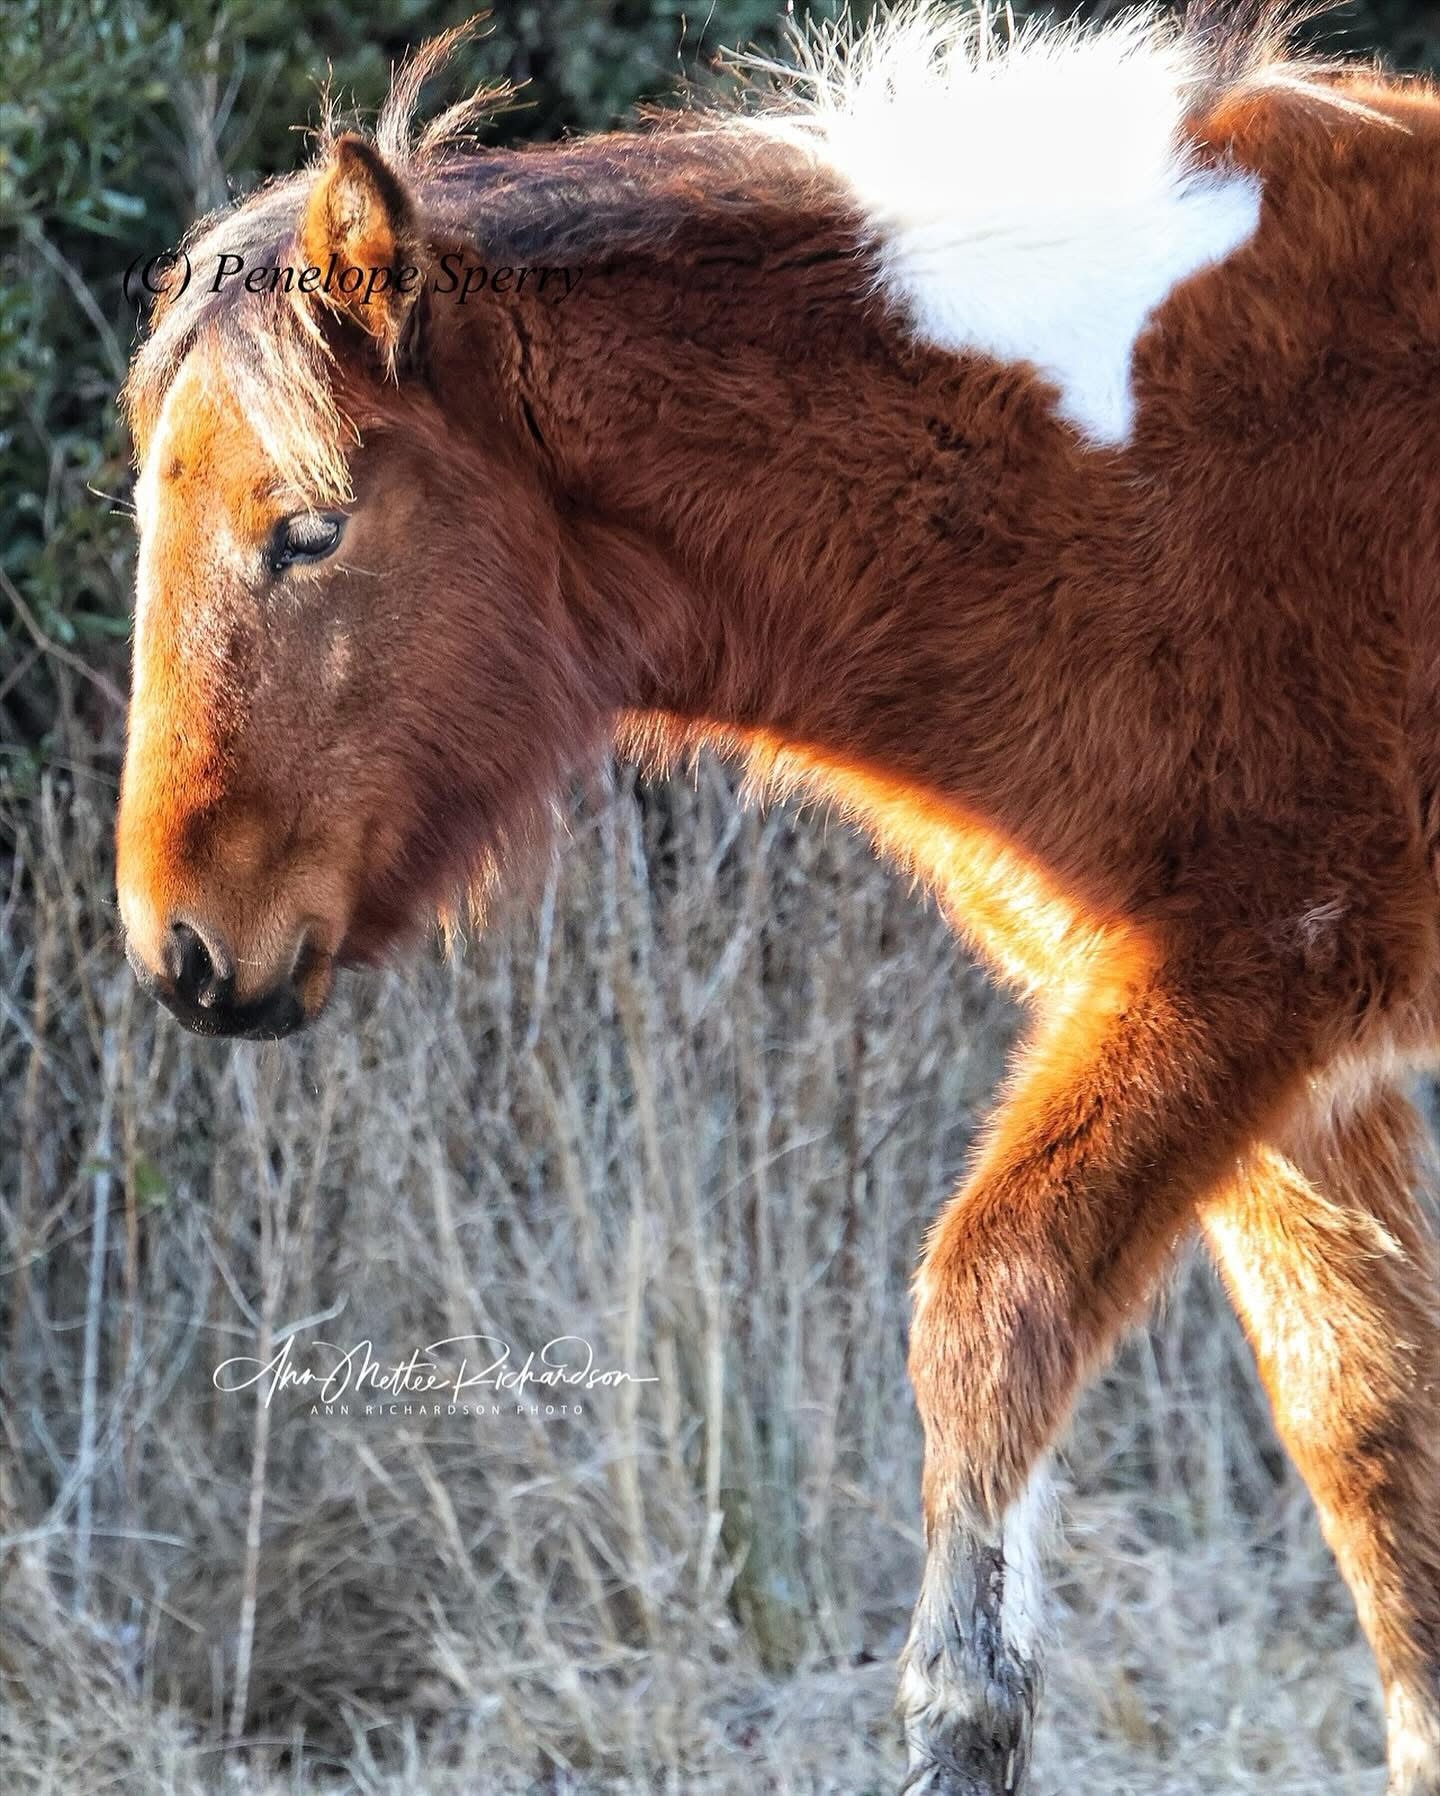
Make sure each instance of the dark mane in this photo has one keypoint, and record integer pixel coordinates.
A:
(574, 202)
(570, 203)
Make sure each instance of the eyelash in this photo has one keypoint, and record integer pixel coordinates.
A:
(283, 552)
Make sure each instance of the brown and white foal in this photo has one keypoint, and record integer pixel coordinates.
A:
(1033, 449)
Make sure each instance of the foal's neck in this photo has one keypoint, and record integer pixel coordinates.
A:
(771, 499)
(785, 519)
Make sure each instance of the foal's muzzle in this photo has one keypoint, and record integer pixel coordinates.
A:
(196, 980)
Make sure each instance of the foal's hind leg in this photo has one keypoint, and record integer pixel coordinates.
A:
(1334, 1271)
(1123, 1115)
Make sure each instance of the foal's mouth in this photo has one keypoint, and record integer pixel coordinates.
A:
(286, 1008)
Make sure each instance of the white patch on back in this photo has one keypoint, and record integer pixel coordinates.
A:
(1032, 199)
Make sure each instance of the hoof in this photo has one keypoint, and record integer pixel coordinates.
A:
(964, 1738)
(967, 1761)
(970, 1672)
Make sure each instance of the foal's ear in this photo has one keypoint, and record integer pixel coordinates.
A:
(359, 231)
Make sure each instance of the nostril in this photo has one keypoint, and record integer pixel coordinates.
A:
(202, 973)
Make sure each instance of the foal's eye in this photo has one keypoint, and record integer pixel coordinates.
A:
(309, 536)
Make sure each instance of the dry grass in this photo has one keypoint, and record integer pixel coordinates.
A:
(694, 1103)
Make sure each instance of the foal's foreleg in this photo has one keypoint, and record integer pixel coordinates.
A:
(1333, 1269)
(1123, 1114)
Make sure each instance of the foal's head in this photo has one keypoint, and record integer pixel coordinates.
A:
(352, 676)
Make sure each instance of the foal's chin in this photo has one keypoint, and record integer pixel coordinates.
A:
(271, 1018)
